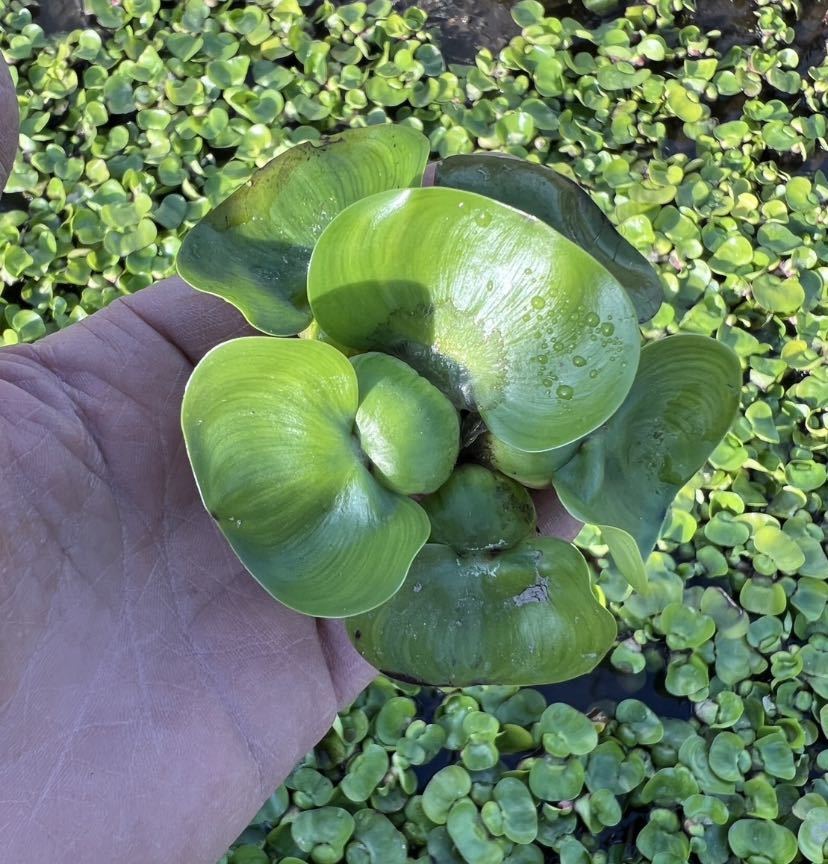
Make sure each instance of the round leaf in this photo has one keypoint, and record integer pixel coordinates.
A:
(469, 835)
(478, 509)
(498, 310)
(762, 840)
(447, 786)
(566, 731)
(406, 426)
(565, 206)
(268, 425)
(323, 832)
(253, 249)
(523, 616)
(626, 474)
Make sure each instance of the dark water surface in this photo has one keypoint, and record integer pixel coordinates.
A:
(61, 16)
(461, 27)
(600, 690)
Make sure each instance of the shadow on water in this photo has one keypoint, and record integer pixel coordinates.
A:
(60, 16)
(600, 690)
(605, 687)
(461, 27)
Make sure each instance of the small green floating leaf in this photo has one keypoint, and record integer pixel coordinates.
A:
(365, 773)
(375, 840)
(447, 786)
(517, 813)
(563, 205)
(523, 616)
(566, 731)
(499, 314)
(760, 841)
(469, 835)
(268, 425)
(253, 249)
(627, 473)
(813, 835)
(554, 779)
(323, 833)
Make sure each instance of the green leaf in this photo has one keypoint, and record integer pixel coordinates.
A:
(565, 731)
(626, 474)
(626, 556)
(564, 206)
(535, 470)
(447, 786)
(518, 817)
(733, 253)
(365, 773)
(406, 427)
(762, 841)
(479, 510)
(669, 786)
(268, 425)
(375, 840)
(469, 835)
(253, 249)
(323, 831)
(813, 835)
(554, 779)
(502, 313)
(454, 624)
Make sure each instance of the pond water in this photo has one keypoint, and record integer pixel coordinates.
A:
(60, 16)
(463, 26)
(600, 690)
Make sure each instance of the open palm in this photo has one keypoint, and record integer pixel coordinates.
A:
(151, 696)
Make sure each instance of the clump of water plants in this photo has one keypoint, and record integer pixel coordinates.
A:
(462, 341)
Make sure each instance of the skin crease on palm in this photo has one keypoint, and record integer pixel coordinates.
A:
(151, 694)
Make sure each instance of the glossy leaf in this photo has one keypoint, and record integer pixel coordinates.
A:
(253, 249)
(268, 425)
(478, 509)
(626, 474)
(405, 425)
(446, 786)
(375, 840)
(565, 206)
(535, 470)
(323, 832)
(523, 616)
(469, 835)
(503, 314)
(566, 731)
(755, 840)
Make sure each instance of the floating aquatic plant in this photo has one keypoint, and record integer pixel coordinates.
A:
(462, 341)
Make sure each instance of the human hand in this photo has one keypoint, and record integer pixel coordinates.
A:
(151, 694)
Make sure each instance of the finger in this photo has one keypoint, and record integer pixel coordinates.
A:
(9, 120)
(192, 321)
(553, 520)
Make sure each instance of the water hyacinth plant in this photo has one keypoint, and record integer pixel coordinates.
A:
(462, 342)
